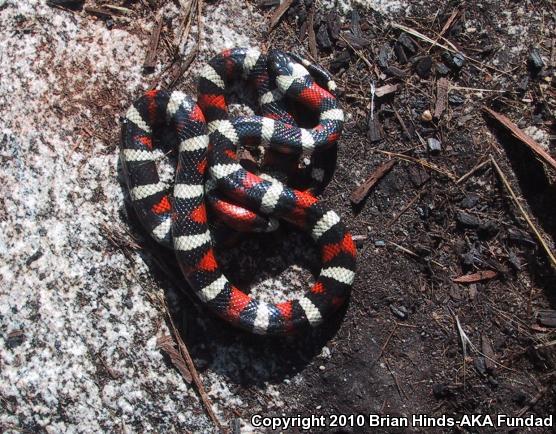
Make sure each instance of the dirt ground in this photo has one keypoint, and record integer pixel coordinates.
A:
(396, 348)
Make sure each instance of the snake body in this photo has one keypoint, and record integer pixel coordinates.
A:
(208, 172)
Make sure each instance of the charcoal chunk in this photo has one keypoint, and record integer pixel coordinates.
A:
(535, 60)
(408, 43)
(334, 25)
(467, 220)
(400, 53)
(340, 61)
(323, 40)
(423, 66)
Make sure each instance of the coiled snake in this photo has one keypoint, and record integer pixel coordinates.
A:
(208, 172)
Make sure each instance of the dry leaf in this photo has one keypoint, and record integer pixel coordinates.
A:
(476, 277)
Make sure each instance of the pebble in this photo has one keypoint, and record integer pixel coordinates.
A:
(441, 391)
(426, 116)
(399, 311)
(434, 145)
(442, 69)
(535, 60)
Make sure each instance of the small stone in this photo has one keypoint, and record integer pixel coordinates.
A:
(334, 25)
(441, 391)
(454, 61)
(434, 145)
(35, 256)
(489, 228)
(520, 237)
(455, 99)
(535, 60)
(395, 72)
(15, 339)
(426, 116)
(442, 69)
(109, 23)
(355, 41)
(523, 84)
(458, 60)
(423, 67)
(480, 365)
(384, 56)
(399, 311)
(514, 261)
(322, 367)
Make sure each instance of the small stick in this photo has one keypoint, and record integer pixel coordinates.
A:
(278, 12)
(415, 255)
(359, 54)
(524, 213)
(360, 192)
(385, 344)
(150, 59)
(398, 386)
(420, 161)
(193, 371)
(406, 207)
(402, 123)
(472, 171)
(311, 32)
(442, 87)
(446, 26)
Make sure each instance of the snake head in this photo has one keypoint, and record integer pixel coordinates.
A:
(285, 69)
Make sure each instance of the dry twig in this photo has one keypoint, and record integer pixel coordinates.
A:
(360, 192)
(150, 58)
(422, 162)
(278, 12)
(311, 32)
(184, 353)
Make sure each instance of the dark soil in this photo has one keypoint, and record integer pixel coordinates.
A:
(396, 348)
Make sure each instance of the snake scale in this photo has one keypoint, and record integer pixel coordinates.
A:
(208, 175)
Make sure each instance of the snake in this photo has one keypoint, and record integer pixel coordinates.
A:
(210, 182)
